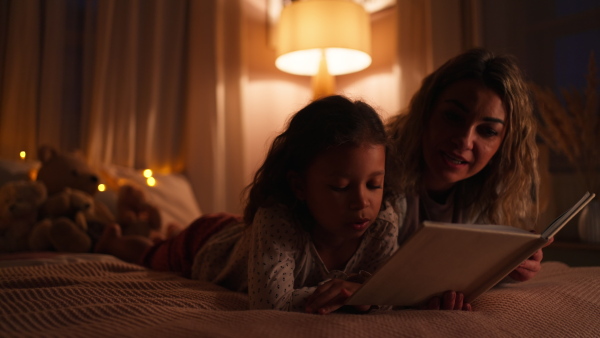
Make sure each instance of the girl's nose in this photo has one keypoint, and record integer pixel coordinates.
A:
(359, 199)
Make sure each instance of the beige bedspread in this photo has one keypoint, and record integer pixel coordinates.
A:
(100, 296)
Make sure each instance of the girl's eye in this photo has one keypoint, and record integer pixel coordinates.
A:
(374, 186)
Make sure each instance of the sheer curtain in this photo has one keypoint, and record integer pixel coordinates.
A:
(134, 72)
(105, 77)
(414, 45)
(158, 83)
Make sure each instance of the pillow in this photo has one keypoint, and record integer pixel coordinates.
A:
(13, 170)
(172, 194)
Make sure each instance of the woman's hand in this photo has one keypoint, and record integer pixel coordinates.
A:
(530, 267)
(331, 296)
(450, 300)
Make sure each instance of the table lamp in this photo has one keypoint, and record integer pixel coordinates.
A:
(323, 38)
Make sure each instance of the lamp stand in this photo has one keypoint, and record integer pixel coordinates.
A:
(323, 83)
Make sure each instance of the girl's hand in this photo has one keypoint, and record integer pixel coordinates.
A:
(450, 300)
(331, 296)
(529, 267)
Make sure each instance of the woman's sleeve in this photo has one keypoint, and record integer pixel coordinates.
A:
(275, 246)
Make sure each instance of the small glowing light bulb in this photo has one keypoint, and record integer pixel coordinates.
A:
(151, 181)
(101, 187)
(22, 154)
(147, 173)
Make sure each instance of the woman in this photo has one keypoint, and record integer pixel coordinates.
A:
(468, 150)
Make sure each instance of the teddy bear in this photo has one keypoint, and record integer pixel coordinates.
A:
(71, 219)
(134, 214)
(60, 171)
(19, 206)
(65, 222)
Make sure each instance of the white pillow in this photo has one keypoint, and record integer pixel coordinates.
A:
(13, 170)
(172, 194)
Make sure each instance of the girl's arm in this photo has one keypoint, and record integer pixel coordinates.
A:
(331, 296)
(276, 246)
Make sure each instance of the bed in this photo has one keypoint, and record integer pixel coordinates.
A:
(93, 295)
(46, 294)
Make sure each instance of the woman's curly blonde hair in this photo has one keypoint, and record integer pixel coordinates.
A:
(505, 191)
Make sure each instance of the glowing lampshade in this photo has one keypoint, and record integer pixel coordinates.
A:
(324, 38)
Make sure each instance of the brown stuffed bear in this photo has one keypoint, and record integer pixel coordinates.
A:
(61, 170)
(135, 215)
(64, 224)
(72, 218)
(19, 206)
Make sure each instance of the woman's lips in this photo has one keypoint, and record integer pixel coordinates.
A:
(454, 159)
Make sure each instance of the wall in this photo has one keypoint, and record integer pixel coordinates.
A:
(252, 99)
(552, 40)
(270, 96)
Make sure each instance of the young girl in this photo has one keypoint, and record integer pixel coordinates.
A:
(313, 227)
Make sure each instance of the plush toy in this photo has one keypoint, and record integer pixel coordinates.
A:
(71, 217)
(61, 170)
(69, 223)
(19, 205)
(134, 214)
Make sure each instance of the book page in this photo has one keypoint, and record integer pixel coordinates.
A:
(467, 258)
(563, 219)
(441, 257)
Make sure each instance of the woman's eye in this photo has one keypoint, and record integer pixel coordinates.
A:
(338, 188)
(451, 116)
(488, 132)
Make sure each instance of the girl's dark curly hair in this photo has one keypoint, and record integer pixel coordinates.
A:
(324, 123)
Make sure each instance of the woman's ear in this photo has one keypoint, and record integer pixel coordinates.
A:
(296, 183)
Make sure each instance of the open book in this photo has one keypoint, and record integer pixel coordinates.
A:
(468, 258)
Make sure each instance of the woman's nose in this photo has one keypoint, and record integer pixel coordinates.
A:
(464, 138)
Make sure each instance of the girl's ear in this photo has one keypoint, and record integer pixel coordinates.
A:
(296, 184)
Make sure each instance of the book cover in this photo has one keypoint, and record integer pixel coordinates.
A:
(469, 258)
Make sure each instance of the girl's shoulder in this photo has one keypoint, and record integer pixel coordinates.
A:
(276, 216)
(391, 217)
(275, 226)
(393, 208)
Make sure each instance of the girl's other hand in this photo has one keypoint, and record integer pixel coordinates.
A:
(331, 296)
(450, 300)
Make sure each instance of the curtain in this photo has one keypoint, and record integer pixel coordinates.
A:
(170, 85)
(216, 71)
(105, 77)
(414, 45)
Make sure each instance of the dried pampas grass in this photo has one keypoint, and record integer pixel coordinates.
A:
(572, 128)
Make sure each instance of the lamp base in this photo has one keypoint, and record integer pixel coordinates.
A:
(323, 83)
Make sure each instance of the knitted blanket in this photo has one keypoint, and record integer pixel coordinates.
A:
(101, 296)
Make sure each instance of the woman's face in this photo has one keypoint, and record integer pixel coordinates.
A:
(466, 129)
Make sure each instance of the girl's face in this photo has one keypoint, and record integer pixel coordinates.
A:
(343, 189)
(466, 129)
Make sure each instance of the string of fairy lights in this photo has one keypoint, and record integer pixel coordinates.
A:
(147, 173)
